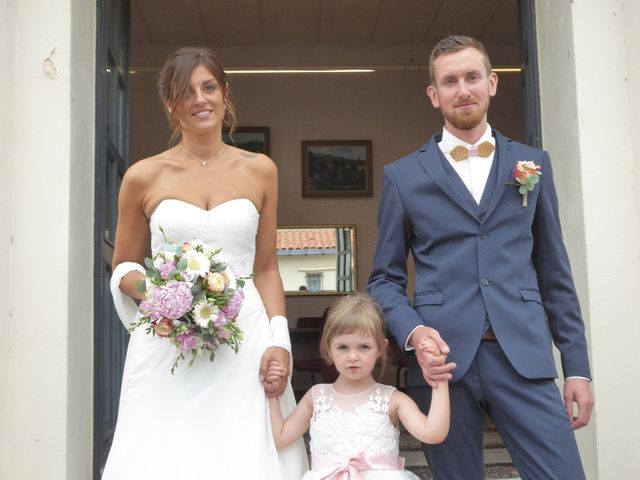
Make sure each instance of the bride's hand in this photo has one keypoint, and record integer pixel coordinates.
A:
(274, 385)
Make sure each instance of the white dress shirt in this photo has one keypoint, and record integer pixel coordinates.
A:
(474, 170)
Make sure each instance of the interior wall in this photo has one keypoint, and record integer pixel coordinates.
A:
(389, 107)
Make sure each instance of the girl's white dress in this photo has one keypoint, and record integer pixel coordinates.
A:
(210, 420)
(352, 436)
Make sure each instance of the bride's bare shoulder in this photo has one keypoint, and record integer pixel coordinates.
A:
(145, 171)
(257, 162)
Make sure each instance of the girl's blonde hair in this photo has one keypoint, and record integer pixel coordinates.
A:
(354, 313)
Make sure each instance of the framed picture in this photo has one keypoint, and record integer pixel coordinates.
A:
(336, 168)
(253, 139)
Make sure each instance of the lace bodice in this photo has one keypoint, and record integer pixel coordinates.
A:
(231, 225)
(349, 424)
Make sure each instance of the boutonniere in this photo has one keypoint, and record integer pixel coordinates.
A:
(526, 174)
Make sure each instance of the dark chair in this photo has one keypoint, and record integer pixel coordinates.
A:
(305, 341)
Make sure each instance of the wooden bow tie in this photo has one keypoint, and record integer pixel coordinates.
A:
(483, 150)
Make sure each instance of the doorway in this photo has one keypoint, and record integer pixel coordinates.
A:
(386, 106)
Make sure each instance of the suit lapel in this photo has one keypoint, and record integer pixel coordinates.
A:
(429, 158)
(506, 162)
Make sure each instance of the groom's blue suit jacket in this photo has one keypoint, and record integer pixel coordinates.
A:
(496, 261)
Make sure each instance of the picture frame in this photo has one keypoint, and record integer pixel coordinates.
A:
(337, 168)
(253, 139)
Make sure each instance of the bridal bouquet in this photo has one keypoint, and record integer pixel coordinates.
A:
(193, 298)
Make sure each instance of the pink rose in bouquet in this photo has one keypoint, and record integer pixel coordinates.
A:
(163, 327)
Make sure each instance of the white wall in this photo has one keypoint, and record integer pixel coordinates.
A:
(293, 270)
(81, 245)
(587, 87)
(6, 34)
(46, 340)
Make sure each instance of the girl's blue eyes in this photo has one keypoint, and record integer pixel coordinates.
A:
(363, 347)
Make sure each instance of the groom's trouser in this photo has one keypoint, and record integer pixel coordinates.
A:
(529, 415)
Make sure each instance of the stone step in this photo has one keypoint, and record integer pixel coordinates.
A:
(498, 463)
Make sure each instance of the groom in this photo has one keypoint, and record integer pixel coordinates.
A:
(493, 285)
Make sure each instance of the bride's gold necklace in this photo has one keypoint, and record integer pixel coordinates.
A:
(204, 163)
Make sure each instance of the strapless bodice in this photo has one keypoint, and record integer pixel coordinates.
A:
(231, 225)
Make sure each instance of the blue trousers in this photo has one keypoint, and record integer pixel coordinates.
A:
(529, 415)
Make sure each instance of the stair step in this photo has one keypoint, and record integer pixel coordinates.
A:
(492, 456)
(491, 472)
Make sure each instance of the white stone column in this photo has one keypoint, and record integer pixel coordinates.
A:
(47, 238)
(589, 88)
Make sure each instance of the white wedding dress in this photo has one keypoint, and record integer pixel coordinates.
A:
(210, 420)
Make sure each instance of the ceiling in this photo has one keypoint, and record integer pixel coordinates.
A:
(166, 24)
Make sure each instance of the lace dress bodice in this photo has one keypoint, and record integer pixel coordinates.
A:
(352, 435)
(346, 424)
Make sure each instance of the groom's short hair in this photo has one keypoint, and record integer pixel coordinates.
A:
(452, 44)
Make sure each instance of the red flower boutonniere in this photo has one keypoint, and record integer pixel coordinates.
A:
(526, 174)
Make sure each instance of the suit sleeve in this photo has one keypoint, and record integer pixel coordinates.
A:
(388, 279)
(555, 280)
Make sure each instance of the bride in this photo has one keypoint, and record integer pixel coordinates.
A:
(210, 420)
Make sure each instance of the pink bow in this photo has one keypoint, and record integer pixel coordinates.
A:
(350, 467)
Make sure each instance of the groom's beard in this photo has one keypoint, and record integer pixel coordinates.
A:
(463, 121)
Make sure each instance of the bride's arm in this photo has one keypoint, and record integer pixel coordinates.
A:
(266, 274)
(132, 232)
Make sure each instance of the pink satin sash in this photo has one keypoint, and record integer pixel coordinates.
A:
(350, 467)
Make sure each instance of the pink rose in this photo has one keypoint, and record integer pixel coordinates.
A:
(164, 327)
(524, 169)
(166, 269)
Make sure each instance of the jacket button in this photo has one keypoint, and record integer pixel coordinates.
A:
(483, 235)
(484, 282)
(481, 217)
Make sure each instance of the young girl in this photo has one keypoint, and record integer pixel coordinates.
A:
(353, 422)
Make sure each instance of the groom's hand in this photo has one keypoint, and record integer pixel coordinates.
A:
(577, 390)
(274, 387)
(432, 360)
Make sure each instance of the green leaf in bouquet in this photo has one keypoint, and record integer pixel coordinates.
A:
(141, 285)
(240, 282)
(175, 364)
(196, 289)
(149, 264)
(182, 264)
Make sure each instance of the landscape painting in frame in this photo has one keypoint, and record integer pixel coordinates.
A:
(336, 168)
(253, 139)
